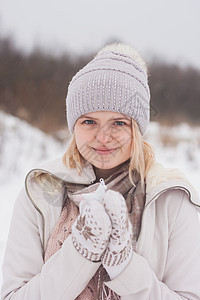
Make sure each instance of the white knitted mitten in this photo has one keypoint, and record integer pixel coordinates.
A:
(119, 251)
(92, 228)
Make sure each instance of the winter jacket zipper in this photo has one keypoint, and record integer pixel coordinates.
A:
(41, 213)
(37, 207)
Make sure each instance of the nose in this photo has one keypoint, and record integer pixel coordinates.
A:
(104, 135)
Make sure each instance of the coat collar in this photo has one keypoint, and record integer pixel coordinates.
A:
(45, 187)
(158, 180)
(57, 169)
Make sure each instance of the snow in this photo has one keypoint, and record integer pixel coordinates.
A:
(178, 147)
(22, 147)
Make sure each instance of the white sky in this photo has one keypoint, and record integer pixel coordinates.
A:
(167, 28)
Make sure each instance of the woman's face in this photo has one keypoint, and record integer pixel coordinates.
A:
(104, 138)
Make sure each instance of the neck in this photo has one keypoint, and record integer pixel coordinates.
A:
(105, 173)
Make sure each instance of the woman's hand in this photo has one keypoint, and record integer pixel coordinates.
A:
(119, 250)
(91, 230)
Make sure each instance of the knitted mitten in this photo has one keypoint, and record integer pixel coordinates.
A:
(119, 251)
(99, 194)
(92, 228)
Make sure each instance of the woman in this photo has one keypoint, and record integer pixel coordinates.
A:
(107, 222)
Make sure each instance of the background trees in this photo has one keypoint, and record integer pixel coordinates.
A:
(33, 87)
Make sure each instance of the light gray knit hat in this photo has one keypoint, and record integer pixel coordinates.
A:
(115, 80)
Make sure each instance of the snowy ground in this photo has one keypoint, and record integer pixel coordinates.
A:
(22, 146)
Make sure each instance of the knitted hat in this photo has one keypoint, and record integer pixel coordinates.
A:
(115, 80)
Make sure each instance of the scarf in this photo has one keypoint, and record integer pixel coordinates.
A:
(135, 201)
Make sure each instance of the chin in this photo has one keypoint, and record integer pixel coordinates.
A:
(105, 165)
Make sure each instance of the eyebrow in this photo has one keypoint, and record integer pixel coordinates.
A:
(120, 118)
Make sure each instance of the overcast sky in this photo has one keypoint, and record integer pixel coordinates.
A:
(166, 28)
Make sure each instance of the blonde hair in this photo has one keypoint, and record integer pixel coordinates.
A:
(142, 154)
(141, 159)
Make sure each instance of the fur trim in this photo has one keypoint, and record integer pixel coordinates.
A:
(125, 50)
(159, 174)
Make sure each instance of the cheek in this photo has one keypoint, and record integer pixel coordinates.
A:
(77, 136)
(125, 139)
(128, 145)
(82, 140)
(79, 139)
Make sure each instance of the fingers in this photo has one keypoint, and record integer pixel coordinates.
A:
(114, 202)
(119, 251)
(91, 230)
(115, 206)
(96, 217)
(82, 205)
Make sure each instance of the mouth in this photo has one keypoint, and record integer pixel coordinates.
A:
(104, 151)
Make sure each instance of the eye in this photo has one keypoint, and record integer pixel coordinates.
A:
(88, 122)
(120, 123)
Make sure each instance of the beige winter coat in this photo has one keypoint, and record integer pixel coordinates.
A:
(166, 264)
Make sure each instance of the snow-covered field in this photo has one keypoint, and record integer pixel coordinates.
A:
(22, 147)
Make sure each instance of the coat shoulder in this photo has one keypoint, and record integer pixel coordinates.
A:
(160, 179)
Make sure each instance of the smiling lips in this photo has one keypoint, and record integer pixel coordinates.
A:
(104, 151)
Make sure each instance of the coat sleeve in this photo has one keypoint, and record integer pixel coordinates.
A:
(182, 269)
(25, 276)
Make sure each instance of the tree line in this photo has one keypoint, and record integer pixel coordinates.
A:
(34, 86)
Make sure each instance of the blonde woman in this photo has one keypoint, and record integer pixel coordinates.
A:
(105, 221)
